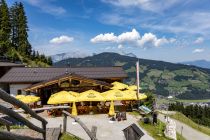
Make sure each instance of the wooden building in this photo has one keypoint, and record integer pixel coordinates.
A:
(46, 81)
(5, 66)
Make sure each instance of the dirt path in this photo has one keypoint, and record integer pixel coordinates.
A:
(105, 130)
(188, 132)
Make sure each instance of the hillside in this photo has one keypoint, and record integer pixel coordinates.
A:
(163, 78)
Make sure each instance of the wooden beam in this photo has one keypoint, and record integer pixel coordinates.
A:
(20, 118)
(4, 135)
(64, 123)
(12, 100)
(5, 122)
(92, 137)
(40, 109)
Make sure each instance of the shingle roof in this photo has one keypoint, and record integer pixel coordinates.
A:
(33, 75)
(7, 64)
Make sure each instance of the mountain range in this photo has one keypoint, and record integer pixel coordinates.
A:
(162, 78)
(199, 63)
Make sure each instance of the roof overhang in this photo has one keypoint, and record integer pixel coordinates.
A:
(65, 77)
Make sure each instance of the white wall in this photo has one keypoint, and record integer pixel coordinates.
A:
(15, 87)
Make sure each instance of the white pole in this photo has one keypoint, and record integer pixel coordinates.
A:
(137, 79)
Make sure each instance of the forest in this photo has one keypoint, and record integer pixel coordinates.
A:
(197, 113)
(14, 43)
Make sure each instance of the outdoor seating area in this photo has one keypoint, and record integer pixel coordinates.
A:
(90, 101)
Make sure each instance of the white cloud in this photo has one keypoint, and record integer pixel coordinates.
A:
(47, 6)
(61, 39)
(199, 40)
(186, 22)
(107, 37)
(198, 50)
(132, 37)
(120, 46)
(129, 36)
(149, 5)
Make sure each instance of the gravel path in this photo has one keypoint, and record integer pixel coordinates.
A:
(105, 129)
(188, 132)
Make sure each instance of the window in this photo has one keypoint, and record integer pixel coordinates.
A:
(19, 92)
(75, 82)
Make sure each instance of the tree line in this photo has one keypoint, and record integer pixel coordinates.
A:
(197, 113)
(14, 34)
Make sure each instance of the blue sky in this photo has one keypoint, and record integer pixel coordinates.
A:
(173, 31)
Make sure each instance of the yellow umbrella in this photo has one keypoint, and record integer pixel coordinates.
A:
(111, 109)
(91, 95)
(29, 99)
(75, 94)
(133, 87)
(61, 97)
(19, 96)
(74, 109)
(133, 95)
(115, 94)
(118, 85)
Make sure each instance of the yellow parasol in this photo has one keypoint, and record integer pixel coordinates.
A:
(61, 97)
(75, 94)
(20, 96)
(118, 85)
(133, 95)
(133, 87)
(91, 95)
(114, 95)
(29, 99)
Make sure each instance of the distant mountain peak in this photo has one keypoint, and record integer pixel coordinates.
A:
(63, 56)
(199, 63)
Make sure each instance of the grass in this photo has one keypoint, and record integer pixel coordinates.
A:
(157, 132)
(68, 136)
(194, 101)
(13, 127)
(182, 118)
(134, 113)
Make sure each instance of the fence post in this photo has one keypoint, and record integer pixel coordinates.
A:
(93, 130)
(64, 123)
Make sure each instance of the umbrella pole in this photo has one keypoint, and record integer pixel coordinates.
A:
(74, 109)
(111, 109)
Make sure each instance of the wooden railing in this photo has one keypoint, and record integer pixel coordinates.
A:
(14, 114)
(11, 113)
(91, 133)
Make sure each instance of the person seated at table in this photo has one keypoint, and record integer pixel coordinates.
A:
(99, 106)
(123, 116)
(118, 116)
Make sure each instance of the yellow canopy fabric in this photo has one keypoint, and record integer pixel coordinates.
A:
(116, 95)
(132, 87)
(29, 99)
(75, 94)
(61, 97)
(133, 95)
(91, 95)
(20, 96)
(118, 85)
(74, 109)
(111, 109)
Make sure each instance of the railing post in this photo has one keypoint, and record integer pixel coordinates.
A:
(93, 131)
(64, 122)
(45, 130)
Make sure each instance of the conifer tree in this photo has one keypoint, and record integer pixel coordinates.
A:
(5, 28)
(14, 12)
(23, 44)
